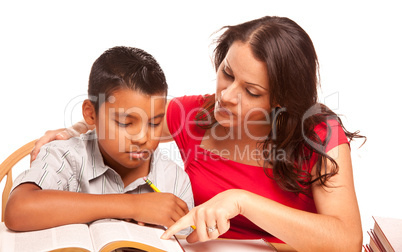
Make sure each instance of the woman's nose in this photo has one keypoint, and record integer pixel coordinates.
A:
(230, 94)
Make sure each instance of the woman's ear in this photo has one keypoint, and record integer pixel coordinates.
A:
(89, 113)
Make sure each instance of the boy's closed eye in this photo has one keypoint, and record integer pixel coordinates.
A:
(153, 122)
(123, 125)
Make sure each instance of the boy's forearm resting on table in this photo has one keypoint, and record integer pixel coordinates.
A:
(31, 208)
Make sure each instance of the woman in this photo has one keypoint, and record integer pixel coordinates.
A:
(264, 158)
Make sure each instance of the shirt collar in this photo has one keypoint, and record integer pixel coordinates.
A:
(151, 175)
(95, 159)
(98, 167)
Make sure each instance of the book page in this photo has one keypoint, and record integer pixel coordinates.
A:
(107, 231)
(227, 245)
(389, 231)
(75, 235)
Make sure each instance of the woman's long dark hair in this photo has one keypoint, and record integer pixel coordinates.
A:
(293, 75)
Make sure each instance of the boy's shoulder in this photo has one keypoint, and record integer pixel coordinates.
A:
(169, 176)
(164, 163)
(74, 144)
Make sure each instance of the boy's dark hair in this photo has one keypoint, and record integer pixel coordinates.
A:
(123, 67)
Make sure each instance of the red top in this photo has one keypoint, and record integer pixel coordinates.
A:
(211, 174)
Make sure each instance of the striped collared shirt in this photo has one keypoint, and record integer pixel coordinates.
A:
(77, 165)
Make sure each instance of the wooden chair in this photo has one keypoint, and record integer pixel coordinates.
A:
(6, 169)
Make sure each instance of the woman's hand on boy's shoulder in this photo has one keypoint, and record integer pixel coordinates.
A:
(51, 135)
(60, 134)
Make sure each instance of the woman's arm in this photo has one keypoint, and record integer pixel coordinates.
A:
(336, 226)
(31, 208)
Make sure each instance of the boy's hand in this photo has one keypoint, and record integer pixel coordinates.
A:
(160, 208)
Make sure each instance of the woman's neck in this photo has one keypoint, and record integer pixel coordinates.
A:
(234, 144)
(255, 133)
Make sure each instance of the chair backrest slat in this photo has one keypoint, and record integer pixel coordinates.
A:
(6, 170)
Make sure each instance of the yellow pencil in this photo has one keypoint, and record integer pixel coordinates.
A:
(157, 190)
(151, 185)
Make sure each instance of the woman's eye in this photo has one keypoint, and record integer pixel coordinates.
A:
(226, 74)
(254, 95)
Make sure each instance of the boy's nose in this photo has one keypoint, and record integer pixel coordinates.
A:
(140, 138)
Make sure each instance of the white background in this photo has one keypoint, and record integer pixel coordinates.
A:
(47, 49)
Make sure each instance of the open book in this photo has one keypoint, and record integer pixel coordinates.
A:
(102, 235)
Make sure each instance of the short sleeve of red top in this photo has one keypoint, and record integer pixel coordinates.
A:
(211, 174)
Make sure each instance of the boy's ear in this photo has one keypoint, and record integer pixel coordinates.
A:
(88, 111)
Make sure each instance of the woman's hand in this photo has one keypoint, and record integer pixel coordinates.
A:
(51, 135)
(212, 218)
(60, 134)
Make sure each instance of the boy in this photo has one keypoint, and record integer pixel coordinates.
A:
(100, 175)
